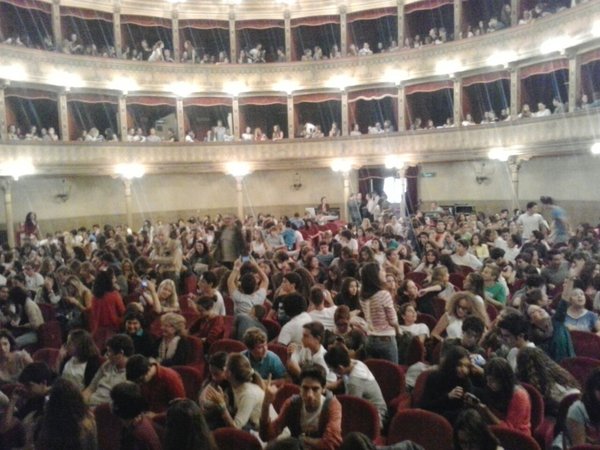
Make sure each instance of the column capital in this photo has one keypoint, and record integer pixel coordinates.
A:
(56, 2)
(127, 186)
(6, 184)
(287, 15)
(343, 9)
(175, 12)
(231, 12)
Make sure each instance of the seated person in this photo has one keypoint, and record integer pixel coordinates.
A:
(79, 359)
(313, 416)
(583, 421)
(311, 351)
(174, 348)
(159, 385)
(408, 316)
(112, 372)
(509, 404)
(210, 327)
(448, 385)
(12, 361)
(472, 331)
(143, 342)
(295, 307)
(129, 406)
(358, 379)
(27, 403)
(262, 360)
(321, 307)
(243, 322)
(216, 379)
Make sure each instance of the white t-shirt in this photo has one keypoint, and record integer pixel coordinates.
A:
(219, 307)
(468, 260)
(512, 356)
(303, 356)
(292, 331)
(416, 329)
(530, 223)
(325, 316)
(243, 303)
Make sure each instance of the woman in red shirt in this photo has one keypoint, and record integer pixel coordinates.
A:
(107, 304)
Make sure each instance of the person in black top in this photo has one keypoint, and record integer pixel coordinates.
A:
(135, 328)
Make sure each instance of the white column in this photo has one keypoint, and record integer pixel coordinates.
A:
(458, 7)
(6, 184)
(3, 124)
(287, 27)
(401, 109)
(400, 23)
(514, 165)
(344, 208)
(457, 101)
(233, 53)
(239, 188)
(180, 120)
(122, 115)
(344, 30)
(515, 92)
(63, 117)
(574, 81)
(117, 29)
(290, 117)
(128, 203)
(345, 119)
(56, 25)
(235, 109)
(175, 32)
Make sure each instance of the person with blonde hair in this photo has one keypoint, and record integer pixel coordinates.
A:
(248, 394)
(162, 299)
(460, 306)
(174, 348)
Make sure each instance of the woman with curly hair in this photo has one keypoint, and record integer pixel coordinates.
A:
(535, 367)
(460, 306)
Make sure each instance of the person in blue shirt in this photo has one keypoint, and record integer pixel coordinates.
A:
(263, 361)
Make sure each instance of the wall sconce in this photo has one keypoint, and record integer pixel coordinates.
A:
(297, 182)
(481, 180)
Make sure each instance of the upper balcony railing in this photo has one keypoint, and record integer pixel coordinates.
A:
(571, 134)
(404, 67)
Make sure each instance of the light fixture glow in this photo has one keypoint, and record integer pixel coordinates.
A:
(394, 161)
(130, 170)
(448, 67)
(235, 88)
(237, 168)
(595, 149)
(502, 58)
(596, 29)
(499, 154)
(13, 72)
(287, 86)
(124, 84)
(17, 168)
(65, 79)
(396, 76)
(340, 82)
(181, 88)
(341, 165)
(556, 44)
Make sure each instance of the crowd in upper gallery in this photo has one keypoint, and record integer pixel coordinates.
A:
(159, 52)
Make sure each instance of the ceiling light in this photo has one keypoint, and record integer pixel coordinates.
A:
(287, 86)
(595, 149)
(448, 67)
(14, 72)
(502, 58)
(396, 76)
(130, 170)
(556, 44)
(340, 82)
(181, 88)
(17, 168)
(499, 154)
(394, 161)
(341, 165)
(124, 84)
(237, 169)
(596, 29)
(235, 88)
(66, 79)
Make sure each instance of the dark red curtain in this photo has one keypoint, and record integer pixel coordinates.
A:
(426, 5)
(86, 14)
(31, 4)
(314, 21)
(371, 14)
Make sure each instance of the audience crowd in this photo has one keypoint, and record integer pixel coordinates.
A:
(298, 332)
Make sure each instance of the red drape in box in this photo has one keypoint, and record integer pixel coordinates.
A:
(30, 94)
(544, 68)
(151, 101)
(86, 14)
(207, 101)
(371, 14)
(259, 24)
(146, 21)
(428, 87)
(372, 94)
(317, 98)
(204, 24)
(486, 78)
(426, 5)
(92, 98)
(314, 21)
(589, 57)
(31, 4)
(262, 101)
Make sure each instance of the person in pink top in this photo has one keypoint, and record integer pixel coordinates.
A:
(378, 309)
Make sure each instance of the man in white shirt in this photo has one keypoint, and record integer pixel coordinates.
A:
(531, 220)
(311, 351)
(365, 50)
(33, 279)
(463, 258)
(294, 306)
(513, 247)
(250, 292)
(317, 309)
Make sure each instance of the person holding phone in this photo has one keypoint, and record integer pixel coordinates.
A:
(244, 290)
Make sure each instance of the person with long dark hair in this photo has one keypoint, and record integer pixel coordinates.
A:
(67, 423)
(186, 428)
(107, 304)
(79, 359)
(447, 386)
(378, 309)
(503, 402)
(472, 433)
(583, 418)
(348, 294)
